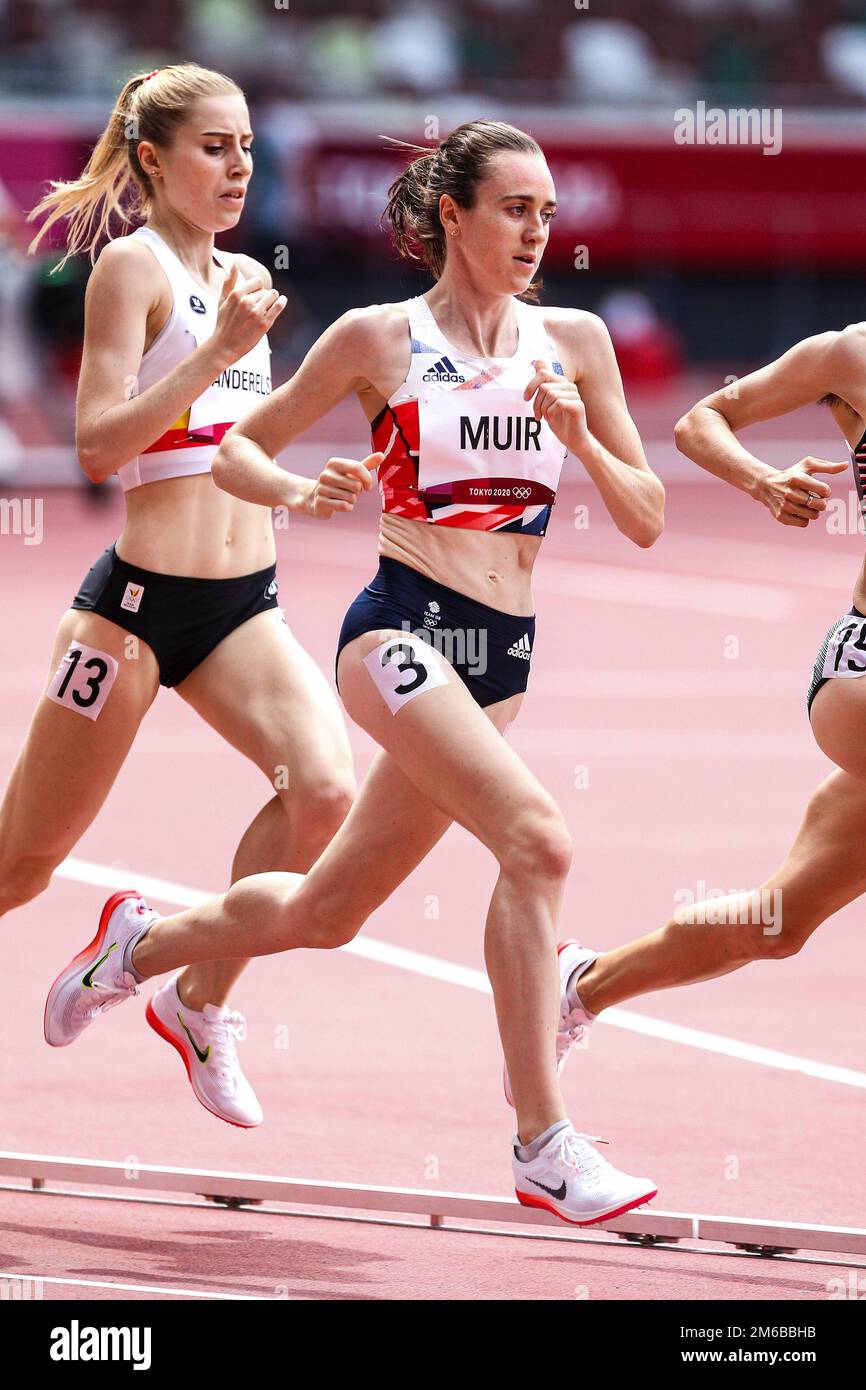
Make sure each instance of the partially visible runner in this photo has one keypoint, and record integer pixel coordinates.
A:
(825, 867)
(187, 596)
(473, 395)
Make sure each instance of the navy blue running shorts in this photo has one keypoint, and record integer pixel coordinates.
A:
(490, 651)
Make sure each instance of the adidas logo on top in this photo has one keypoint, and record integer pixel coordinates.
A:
(521, 648)
(443, 370)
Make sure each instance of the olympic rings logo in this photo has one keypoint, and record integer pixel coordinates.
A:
(521, 493)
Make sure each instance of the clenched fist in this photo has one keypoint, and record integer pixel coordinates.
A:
(340, 484)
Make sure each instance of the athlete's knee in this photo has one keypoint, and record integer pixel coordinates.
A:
(312, 916)
(329, 926)
(319, 810)
(538, 844)
(23, 877)
(331, 801)
(784, 938)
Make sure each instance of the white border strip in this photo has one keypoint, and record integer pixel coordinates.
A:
(384, 953)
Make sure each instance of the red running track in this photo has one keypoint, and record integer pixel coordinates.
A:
(699, 764)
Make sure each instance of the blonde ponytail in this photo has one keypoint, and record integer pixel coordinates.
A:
(152, 106)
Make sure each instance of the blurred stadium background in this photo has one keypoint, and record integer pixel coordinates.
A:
(704, 260)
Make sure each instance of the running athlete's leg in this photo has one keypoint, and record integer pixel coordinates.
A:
(390, 829)
(68, 762)
(267, 697)
(825, 869)
(452, 754)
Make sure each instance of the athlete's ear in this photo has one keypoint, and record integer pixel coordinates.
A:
(448, 214)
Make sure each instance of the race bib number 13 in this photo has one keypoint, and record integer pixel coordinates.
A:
(82, 680)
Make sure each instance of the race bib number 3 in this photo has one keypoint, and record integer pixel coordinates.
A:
(83, 679)
(404, 667)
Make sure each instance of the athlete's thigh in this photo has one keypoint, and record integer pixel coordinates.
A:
(825, 867)
(838, 718)
(390, 829)
(440, 738)
(69, 761)
(267, 697)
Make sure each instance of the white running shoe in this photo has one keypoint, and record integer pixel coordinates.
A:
(94, 980)
(206, 1042)
(573, 1023)
(571, 1179)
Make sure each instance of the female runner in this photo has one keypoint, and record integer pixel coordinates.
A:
(473, 396)
(187, 597)
(824, 868)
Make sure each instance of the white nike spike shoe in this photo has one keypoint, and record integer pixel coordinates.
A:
(206, 1042)
(571, 1179)
(574, 1024)
(94, 980)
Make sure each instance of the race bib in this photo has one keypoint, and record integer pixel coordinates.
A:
(486, 446)
(846, 649)
(236, 390)
(83, 679)
(404, 667)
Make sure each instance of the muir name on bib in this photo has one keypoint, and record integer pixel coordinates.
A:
(508, 432)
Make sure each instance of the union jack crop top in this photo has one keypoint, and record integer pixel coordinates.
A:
(189, 444)
(462, 447)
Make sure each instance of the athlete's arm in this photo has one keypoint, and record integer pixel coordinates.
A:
(591, 418)
(245, 463)
(827, 363)
(113, 422)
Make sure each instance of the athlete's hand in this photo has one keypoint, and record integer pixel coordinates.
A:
(794, 496)
(340, 484)
(244, 314)
(557, 400)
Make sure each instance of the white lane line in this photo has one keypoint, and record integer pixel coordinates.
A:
(133, 1288)
(104, 876)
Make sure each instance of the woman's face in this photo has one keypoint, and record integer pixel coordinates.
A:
(502, 238)
(208, 165)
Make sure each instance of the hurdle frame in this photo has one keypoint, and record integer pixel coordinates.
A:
(363, 1202)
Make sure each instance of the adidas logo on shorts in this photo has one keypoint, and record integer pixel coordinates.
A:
(443, 370)
(521, 648)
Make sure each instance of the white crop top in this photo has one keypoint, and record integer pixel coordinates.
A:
(462, 447)
(189, 445)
